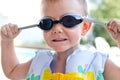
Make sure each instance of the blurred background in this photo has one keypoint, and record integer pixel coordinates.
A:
(27, 12)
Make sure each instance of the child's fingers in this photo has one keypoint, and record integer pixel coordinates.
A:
(9, 30)
(13, 28)
(113, 26)
(3, 30)
(118, 28)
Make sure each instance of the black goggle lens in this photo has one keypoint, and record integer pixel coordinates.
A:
(46, 24)
(67, 21)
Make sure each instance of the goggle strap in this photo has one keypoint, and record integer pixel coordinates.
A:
(55, 22)
(30, 26)
(94, 21)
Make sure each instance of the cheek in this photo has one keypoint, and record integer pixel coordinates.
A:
(46, 37)
(75, 34)
(77, 31)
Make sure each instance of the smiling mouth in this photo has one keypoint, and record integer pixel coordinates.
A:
(59, 40)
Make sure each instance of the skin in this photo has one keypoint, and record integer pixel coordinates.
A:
(111, 70)
(63, 40)
(11, 66)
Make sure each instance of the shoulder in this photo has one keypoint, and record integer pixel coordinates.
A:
(111, 70)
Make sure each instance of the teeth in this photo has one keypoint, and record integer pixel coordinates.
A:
(59, 39)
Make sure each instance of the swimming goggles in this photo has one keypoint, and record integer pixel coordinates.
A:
(68, 21)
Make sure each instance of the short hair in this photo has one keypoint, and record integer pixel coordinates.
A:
(83, 4)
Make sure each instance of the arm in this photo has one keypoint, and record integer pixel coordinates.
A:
(11, 66)
(112, 72)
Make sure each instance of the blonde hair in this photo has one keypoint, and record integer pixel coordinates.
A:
(83, 4)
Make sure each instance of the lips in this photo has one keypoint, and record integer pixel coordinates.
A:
(59, 40)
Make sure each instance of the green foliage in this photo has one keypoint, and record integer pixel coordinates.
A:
(107, 10)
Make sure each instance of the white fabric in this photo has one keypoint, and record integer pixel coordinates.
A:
(79, 61)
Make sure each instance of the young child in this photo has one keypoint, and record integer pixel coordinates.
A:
(63, 29)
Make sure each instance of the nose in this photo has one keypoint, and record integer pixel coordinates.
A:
(57, 28)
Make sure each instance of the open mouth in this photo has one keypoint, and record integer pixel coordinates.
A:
(59, 40)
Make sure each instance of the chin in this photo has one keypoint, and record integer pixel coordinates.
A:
(60, 49)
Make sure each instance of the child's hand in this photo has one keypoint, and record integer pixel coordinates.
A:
(9, 32)
(113, 28)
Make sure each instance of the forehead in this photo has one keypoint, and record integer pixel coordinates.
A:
(61, 7)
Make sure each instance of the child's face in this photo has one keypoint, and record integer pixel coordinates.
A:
(60, 38)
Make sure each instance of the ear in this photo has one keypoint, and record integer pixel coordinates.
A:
(86, 27)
